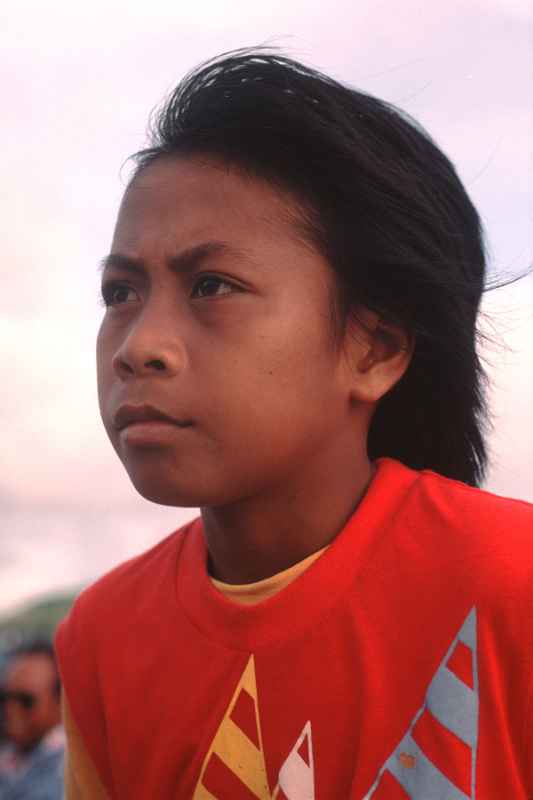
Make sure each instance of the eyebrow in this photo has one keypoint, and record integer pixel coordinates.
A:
(182, 262)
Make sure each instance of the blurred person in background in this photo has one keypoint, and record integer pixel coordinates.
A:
(31, 762)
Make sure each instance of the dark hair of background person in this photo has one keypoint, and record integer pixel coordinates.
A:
(386, 208)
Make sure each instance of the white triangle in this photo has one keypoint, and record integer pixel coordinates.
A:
(296, 778)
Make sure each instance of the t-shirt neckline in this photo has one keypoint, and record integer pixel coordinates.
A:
(297, 607)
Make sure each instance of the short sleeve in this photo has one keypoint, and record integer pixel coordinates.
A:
(81, 778)
(77, 656)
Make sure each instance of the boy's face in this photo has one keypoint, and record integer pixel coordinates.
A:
(219, 317)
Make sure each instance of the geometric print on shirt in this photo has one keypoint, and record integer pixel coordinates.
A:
(235, 762)
(436, 759)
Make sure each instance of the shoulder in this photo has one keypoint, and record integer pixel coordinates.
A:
(135, 575)
(95, 642)
(487, 538)
(456, 502)
(42, 775)
(480, 510)
(122, 598)
(475, 535)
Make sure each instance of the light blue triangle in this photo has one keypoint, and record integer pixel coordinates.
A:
(456, 706)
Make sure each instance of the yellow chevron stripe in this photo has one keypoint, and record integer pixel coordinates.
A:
(234, 748)
(201, 793)
(241, 756)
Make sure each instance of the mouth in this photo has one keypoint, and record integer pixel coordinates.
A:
(129, 415)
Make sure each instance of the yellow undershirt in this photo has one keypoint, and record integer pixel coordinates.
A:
(248, 594)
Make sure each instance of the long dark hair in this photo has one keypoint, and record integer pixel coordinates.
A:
(387, 209)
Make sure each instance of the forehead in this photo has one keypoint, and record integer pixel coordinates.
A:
(177, 200)
(30, 673)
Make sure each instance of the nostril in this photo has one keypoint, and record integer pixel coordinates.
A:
(122, 367)
(156, 363)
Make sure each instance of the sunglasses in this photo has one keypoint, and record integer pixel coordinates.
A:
(24, 699)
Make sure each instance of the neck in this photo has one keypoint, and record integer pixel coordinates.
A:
(259, 536)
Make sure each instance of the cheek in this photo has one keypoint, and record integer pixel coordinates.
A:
(13, 713)
(103, 366)
(100, 357)
(44, 713)
(102, 347)
(299, 367)
(18, 721)
(280, 397)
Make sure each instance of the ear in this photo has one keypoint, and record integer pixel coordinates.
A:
(378, 355)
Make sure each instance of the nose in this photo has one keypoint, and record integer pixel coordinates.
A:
(150, 348)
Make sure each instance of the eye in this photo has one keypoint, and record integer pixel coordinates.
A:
(211, 286)
(115, 293)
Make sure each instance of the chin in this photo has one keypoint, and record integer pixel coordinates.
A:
(182, 493)
(195, 484)
(166, 495)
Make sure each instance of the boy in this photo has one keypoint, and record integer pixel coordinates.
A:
(289, 344)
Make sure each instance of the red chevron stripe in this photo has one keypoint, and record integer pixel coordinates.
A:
(389, 788)
(243, 715)
(460, 663)
(223, 783)
(445, 750)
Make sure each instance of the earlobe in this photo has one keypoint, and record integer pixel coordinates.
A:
(381, 353)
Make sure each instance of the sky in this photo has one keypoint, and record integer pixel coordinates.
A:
(78, 84)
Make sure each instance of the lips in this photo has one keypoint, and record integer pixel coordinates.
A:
(128, 415)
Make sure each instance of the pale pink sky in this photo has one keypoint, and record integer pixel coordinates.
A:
(78, 84)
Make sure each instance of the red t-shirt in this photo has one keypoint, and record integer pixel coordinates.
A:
(399, 665)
